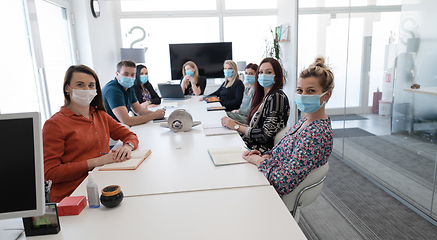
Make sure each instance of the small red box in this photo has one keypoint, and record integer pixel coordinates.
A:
(71, 205)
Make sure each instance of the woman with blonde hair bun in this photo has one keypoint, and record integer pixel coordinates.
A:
(308, 144)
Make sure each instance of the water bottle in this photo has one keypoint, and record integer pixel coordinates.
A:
(92, 192)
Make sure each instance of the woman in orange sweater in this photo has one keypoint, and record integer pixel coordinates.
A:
(76, 139)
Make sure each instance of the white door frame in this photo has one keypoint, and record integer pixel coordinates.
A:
(36, 48)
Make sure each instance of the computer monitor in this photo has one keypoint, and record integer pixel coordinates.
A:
(21, 166)
(209, 58)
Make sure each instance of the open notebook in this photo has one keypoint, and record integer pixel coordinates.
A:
(137, 157)
(226, 156)
(216, 129)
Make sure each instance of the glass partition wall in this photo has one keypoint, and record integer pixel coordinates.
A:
(379, 51)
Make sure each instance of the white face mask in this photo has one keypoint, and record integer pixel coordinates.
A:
(83, 97)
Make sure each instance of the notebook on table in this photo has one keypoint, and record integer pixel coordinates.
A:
(226, 156)
(211, 99)
(137, 157)
(216, 129)
(171, 91)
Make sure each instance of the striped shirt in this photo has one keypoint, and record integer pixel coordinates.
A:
(268, 120)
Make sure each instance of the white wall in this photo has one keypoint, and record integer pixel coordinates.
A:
(287, 14)
(96, 38)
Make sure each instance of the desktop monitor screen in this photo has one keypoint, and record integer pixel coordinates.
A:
(209, 58)
(21, 166)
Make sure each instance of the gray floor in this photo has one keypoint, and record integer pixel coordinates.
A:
(402, 163)
(376, 124)
(352, 207)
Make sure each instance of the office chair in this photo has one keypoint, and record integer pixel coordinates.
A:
(307, 191)
(281, 133)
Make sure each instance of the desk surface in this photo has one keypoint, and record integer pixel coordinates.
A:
(424, 90)
(178, 193)
(191, 215)
(179, 161)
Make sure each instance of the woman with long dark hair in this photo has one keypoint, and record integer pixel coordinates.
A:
(144, 91)
(269, 108)
(76, 139)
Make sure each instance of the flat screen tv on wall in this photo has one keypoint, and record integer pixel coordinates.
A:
(209, 58)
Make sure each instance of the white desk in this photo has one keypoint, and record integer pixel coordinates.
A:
(179, 161)
(178, 193)
(424, 90)
(240, 213)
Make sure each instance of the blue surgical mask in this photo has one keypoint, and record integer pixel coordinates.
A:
(228, 72)
(144, 78)
(189, 72)
(250, 79)
(126, 82)
(266, 80)
(308, 103)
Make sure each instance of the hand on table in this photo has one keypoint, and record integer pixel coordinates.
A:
(122, 154)
(228, 122)
(159, 113)
(118, 155)
(251, 152)
(253, 157)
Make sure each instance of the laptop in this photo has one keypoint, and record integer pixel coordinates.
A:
(171, 91)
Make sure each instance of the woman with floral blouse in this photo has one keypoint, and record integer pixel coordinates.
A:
(308, 144)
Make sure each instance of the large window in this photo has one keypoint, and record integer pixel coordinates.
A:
(250, 4)
(167, 5)
(167, 31)
(345, 3)
(18, 89)
(56, 46)
(35, 50)
(154, 24)
(248, 36)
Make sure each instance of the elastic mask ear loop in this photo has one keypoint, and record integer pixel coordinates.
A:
(324, 102)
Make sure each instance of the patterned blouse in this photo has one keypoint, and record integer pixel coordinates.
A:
(146, 95)
(298, 152)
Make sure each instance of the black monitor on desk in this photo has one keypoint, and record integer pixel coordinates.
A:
(21, 166)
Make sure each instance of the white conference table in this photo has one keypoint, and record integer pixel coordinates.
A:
(179, 161)
(239, 213)
(178, 193)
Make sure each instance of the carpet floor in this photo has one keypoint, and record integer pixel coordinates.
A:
(402, 163)
(350, 132)
(352, 207)
(347, 117)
